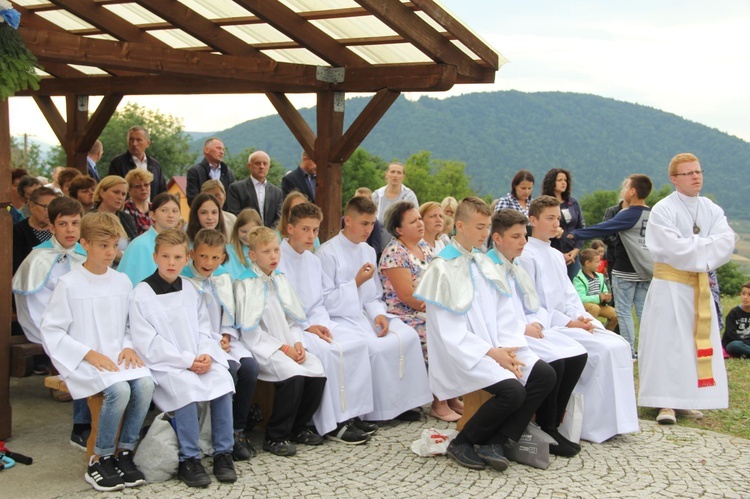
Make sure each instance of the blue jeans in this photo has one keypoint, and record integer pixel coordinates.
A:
(81, 412)
(627, 294)
(127, 401)
(188, 430)
(738, 348)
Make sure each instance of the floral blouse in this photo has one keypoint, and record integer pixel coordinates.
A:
(396, 255)
(143, 221)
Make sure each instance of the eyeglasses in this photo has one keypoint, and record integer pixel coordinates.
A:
(140, 186)
(40, 204)
(689, 174)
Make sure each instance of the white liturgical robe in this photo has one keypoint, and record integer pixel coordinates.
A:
(666, 349)
(606, 383)
(399, 375)
(348, 391)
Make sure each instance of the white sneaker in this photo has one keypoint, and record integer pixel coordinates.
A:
(689, 413)
(666, 416)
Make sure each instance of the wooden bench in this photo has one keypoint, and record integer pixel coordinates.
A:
(472, 402)
(22, 353)
(264, 391)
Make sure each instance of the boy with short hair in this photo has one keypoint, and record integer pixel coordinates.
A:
(214, 282)
(35, 280)
(566, 356)
(271, 317)
(355, 300)
(85, 330)
(592, 289)
(607, 381)
(172, 333)
(476, 344)
(736, 339)
(343, 352)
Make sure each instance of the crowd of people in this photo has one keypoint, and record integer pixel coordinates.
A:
(408, 305)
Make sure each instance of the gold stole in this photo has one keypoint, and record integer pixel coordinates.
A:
(702, 320)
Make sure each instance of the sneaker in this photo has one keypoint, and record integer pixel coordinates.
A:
(224, 468)
(192, 472)
(465, 455)
(131, 475)
(365, 426)
(493, 455)
(240, 452)
(666, 416)
(80, 439)
(347, 433)
(308, 437)
(688, 413)
(103, 475)
(411, 415)
(280, 448)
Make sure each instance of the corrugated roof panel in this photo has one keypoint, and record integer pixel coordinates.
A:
(65, 19)
(176, 38)
(354, 27)
(258, 33)
(134, 13)
(296, 56)
(392, 53)
(316, 5)
(29, 3)
(103, 36)
(89, 70)
(217, 9)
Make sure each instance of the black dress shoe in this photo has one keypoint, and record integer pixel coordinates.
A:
(493, 455)
(465, 455)
(192, 472)
(224, 468)
(411, 415)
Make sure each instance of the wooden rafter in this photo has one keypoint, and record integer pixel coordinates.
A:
(294, 121)
(363, 125)
(97, 122)
(52, 115)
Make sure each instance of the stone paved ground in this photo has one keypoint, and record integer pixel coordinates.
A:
(659, 461)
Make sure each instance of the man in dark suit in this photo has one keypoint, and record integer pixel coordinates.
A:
(212, 167)
(135, 157)
(93, 157)
(302, 179)
(256, 192)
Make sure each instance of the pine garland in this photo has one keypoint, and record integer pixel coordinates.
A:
(17, 63)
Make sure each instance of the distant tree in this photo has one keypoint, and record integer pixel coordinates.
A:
(30, 160)
(659, 194)
(596, 203)
(170, 144)
(238, 164)
(435, 179)
(362, 169)
(731, 278)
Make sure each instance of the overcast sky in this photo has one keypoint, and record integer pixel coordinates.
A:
(687, 57)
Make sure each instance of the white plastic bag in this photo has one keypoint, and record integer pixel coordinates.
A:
(433, 442)
(157, 455)
(573, 419)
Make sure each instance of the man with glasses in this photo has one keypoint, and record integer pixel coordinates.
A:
(33, 230)
(681, 366)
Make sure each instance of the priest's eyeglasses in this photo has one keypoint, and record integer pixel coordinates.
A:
(689, 174)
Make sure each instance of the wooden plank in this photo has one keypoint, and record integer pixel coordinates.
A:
(363, 125)
(408, 24)
(294, 121)
(303, 32)
(76, 123)
(403, 78)
(6, 234)
(97, 122)
(329, 185)
(52, 115)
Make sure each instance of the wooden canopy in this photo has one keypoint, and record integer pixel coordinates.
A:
(114, 48)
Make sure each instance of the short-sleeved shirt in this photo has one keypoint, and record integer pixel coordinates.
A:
(396, 255)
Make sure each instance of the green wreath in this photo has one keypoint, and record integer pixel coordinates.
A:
(17, 63)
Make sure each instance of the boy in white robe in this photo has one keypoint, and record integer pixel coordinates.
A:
(607, 381)
(85, 329)
(475, 342)
(564, 355)
(215, 284)
(172, 333)
(348, 392)
(356, 302)
(271, 318)
(681, 367)
(37, 277)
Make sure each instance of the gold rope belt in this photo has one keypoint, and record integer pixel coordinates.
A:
(702, 320)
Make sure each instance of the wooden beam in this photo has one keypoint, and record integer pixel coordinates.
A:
(52, 115)
(77, 113)
(294, 121)
(363, 125)
(464, 34)
(408, 24)
(303, 32)
(97, 122)
(328, 191)
(6, 266)
(404, 78)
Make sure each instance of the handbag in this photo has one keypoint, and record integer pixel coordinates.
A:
(157, 455)
(532, 448)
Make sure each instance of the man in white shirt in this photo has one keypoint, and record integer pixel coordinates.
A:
(135, 157)
(256, 192)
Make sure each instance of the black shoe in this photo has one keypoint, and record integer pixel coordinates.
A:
(365, 426)
(103, 475)
(465, 455)
(192, 472)
(41, 369)
(308, 437)
(240, 452)
(564, 447)
(282, 448)
(410, 415)
(347, 433)
(224, 467)
(131, 475)
(493, 455)
(80, 439)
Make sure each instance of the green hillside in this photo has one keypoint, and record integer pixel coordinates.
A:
(496, 133)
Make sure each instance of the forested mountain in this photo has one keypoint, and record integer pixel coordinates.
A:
(600, 140)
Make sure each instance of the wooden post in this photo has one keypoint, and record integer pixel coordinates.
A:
(6, 251)
(330, 114)
(77, 110)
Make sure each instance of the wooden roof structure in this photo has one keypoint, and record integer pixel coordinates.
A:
(114, 48)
